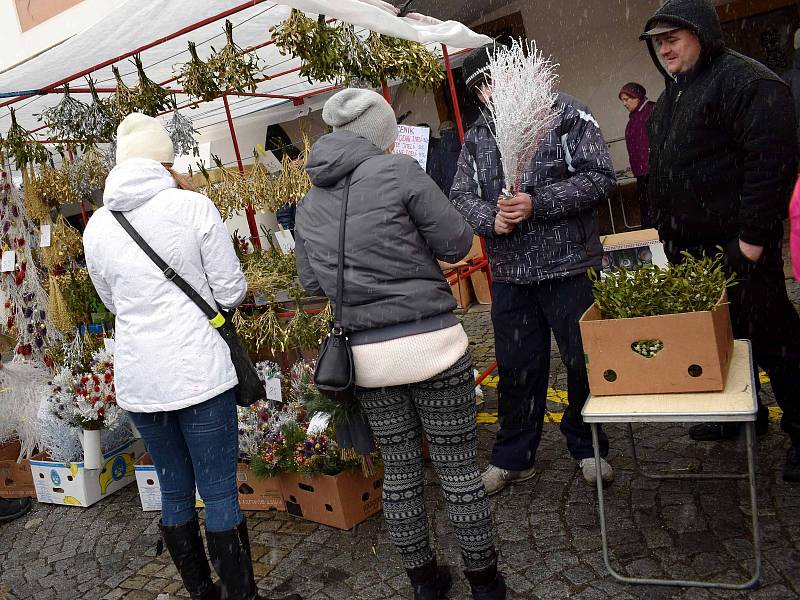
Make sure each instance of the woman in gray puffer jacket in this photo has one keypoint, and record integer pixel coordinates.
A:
(412, 368)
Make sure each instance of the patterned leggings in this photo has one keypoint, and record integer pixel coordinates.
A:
(444, 406)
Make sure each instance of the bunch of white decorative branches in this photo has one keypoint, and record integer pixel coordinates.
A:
(522, 104)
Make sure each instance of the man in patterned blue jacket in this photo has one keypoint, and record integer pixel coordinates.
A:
(541, 243)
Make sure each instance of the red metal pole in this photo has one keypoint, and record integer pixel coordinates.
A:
(111, 61)
(453, 96)
(251, 214)
(387, 93)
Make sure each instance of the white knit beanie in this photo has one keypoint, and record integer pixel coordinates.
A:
(140, 136)
(364, 113)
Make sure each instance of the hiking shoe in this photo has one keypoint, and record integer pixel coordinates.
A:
(495, 478)
(717, 432)
(14, 508)
(589, 469)
(791, 470)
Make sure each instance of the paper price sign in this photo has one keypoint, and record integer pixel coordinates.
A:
(285, 241)
(413, 141)
(44, 237)
(273, 388)
(8, 262)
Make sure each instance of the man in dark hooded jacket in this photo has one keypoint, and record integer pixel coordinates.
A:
(723, 157)
(541, 243)
(792, 77)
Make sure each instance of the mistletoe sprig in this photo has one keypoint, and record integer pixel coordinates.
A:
(234, 69)
(147, 97)
(22, 146)
(198, 78)
(696, 284)
(67, 119)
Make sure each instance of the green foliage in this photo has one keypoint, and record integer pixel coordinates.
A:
(694, 285)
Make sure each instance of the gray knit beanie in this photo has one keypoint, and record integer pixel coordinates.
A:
(364, 113)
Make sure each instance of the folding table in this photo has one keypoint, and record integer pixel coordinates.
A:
(736, 403)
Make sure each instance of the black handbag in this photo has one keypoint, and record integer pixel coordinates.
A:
(250, 389)
(334, 374)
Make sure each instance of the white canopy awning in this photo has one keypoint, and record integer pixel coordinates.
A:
(140, 22)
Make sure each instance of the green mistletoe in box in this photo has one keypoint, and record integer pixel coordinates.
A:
(694, 285)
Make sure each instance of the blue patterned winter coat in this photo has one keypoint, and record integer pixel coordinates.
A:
(570, 175)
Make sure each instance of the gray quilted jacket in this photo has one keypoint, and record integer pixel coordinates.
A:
(398, 224)
(568, 177)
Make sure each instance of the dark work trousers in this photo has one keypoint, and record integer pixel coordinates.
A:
(762, 313)
(523, 317)
(645, 210)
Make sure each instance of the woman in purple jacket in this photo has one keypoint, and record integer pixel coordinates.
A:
(634, 97)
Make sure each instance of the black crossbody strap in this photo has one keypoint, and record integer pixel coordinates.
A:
(214, 317)
(337, 312)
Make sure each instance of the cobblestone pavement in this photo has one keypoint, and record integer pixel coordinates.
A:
(547, 530)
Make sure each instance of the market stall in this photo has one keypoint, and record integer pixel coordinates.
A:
(195, 66)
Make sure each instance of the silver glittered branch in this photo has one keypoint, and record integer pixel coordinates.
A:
(522, 105)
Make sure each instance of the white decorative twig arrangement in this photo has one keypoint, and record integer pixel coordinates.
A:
(522, 105)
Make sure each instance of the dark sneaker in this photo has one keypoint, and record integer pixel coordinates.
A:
(14, 509)
(791, 470)
(714, 432)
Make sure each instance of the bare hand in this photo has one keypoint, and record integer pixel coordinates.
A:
(751, 252)
(517, 208)
(502, 226)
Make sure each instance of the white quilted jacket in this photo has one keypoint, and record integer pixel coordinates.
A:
(167, 355)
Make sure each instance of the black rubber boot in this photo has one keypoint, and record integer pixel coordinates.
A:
(14, 508)
(791, 470)
(486, 583)
(230, 555)
(430, 582)
(185, 546)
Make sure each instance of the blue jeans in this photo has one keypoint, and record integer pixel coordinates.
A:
(198, 445)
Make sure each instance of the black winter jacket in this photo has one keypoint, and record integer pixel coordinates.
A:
(398, 224)
(792, 77)
(723, 150)
(568, 177)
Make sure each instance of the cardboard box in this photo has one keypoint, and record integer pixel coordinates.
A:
(150, 487)
(696, 353)
(480, 285)
(462, 291)
(73, 485)
(632, 250)
(342, 501)
(16, 480)
(259, 493)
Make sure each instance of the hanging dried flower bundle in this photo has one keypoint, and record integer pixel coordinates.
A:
(522, 105)
(35, 205)
(181, 131)
(227, 189)
(66, 120)
(320, 46)
(57, 308)
(89, 171)
(338, 54)
(22, 146)
(293, 182)
(147, 97)
(66, 244)
(260, 184)
(197, 78)
(100, 123)
(387, 58)
(56, 185)
(234, 69)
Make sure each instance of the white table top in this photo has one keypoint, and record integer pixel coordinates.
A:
(737, 402)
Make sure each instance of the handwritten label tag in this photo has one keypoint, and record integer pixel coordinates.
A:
(44, 237)
(273, 388)
(8, 262)
(108, 343)
(285, 241)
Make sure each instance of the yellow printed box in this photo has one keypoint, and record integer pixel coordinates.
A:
(150, 487)
(74, 485)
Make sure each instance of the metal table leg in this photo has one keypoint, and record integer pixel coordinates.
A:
(611, 215)
(751, 583)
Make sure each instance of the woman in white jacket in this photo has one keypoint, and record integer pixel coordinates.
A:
(173, 371)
